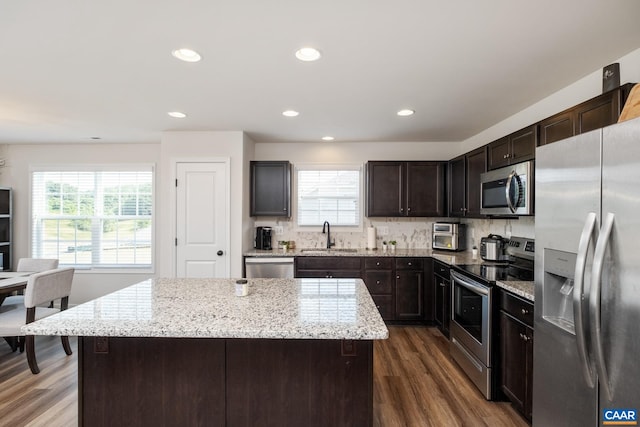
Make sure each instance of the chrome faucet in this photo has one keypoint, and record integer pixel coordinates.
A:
(328, 231)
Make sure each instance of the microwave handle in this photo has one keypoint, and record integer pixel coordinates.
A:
(507, 190)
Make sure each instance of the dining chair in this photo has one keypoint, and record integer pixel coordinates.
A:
(42, 287)
(34, 265)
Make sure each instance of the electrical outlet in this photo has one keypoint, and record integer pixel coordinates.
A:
(383, 231)
(278, 229)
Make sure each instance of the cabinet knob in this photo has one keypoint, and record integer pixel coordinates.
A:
(397, 277)
(401, 209)
(377, 263)
(377, 282)
(524, 311)
(409, 263)
(504, 156)
(408, 209)
(442, 284)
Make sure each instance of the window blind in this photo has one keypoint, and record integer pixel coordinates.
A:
(328, 195)
(93, 218)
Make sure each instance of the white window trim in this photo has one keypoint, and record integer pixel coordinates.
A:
(326, 166)
(124, 167)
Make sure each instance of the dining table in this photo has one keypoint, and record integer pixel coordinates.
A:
(11, 281)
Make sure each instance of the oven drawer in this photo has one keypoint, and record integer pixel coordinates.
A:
(517, 307)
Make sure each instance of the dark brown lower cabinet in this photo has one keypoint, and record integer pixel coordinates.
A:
(224, 382)
(380, 281)
(409, 289)
(442, 285)
(516, 353)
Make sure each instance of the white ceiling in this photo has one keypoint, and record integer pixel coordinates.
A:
(71, 70)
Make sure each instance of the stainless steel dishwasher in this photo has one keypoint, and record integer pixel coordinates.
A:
(268, 267)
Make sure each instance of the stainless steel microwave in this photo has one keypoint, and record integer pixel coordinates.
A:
(508, 191)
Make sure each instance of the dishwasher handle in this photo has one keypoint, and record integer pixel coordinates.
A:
(268, 260)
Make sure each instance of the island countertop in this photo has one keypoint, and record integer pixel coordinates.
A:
(208, 308)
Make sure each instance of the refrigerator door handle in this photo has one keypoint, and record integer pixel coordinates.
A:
(594, 303)
(581, 261)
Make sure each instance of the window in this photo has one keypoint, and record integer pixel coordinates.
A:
(93, 218)
(328, 193)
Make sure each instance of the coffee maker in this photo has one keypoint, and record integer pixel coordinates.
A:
(263, 238)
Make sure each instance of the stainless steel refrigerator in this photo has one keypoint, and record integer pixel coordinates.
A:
(587, 272)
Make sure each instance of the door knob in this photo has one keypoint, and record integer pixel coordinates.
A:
(220, 253)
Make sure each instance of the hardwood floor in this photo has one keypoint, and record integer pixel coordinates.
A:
(48, 399)
(415, 384)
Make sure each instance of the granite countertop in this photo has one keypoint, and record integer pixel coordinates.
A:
(445, 256)
(208, 308)
(521, 288)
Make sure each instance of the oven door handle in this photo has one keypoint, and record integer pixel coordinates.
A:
(478, 289)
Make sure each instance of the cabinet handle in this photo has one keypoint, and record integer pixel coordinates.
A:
(524, 311)
(442, 284)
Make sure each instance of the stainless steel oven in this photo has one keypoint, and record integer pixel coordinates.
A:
(471, 326)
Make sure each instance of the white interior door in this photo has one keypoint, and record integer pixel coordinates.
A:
(202, 223)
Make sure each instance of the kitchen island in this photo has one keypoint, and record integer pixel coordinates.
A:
(168, 352)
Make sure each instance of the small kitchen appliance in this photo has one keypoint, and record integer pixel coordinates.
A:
(449, 236)
(492, 248)
(263, 238)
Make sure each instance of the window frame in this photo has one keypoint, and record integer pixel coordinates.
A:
(327, 166)
(100, 167)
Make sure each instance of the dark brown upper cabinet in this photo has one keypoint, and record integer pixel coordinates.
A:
(464, 183)
(397, 189)
(515, 148)
(598, 112)
(270, 192)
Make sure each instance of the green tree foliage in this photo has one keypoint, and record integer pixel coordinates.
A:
(65, 199)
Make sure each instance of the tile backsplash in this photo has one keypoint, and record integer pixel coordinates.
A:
(409, 233)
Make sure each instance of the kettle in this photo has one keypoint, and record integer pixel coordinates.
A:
(492, 247)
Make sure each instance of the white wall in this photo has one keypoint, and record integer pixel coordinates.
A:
(19, 158)
(354, 152)
(203, 146)
(580, 91)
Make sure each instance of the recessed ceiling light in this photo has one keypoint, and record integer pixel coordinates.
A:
(308, 54)
(177, 114)
(290, 113)
(187, 55)
(328, 138)
(405, 113)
